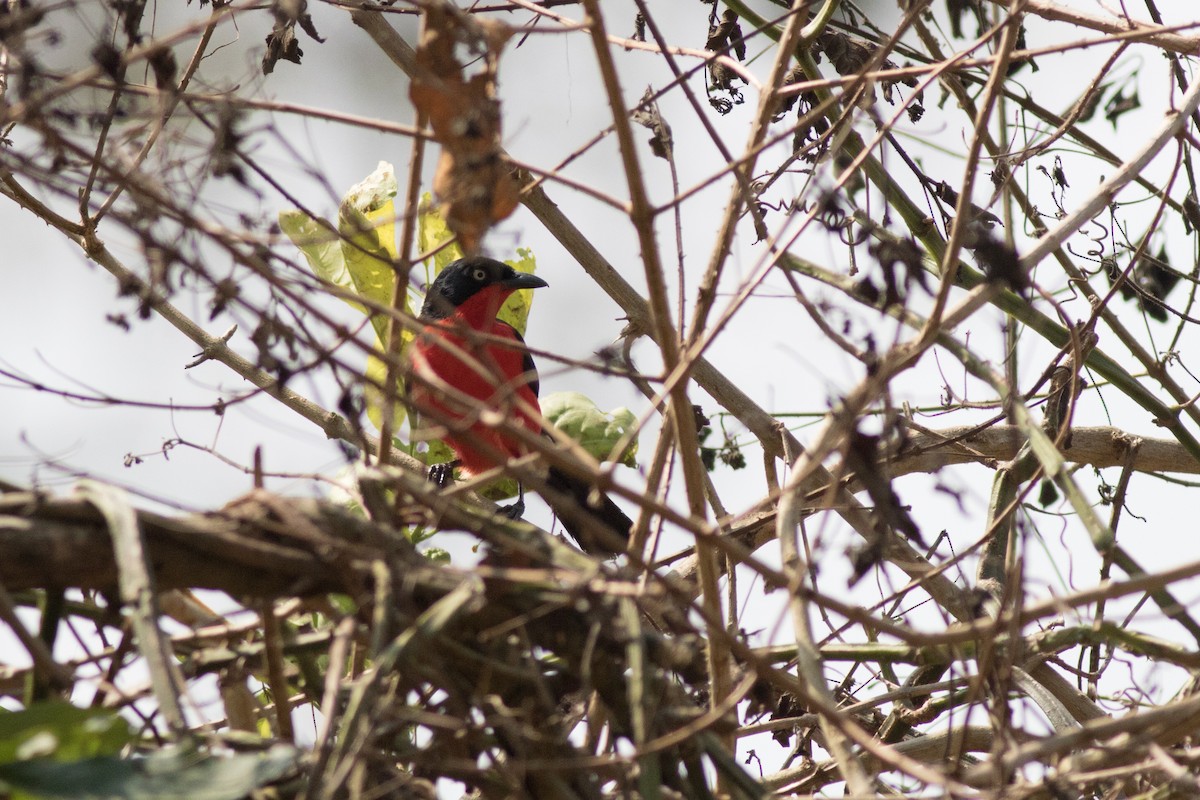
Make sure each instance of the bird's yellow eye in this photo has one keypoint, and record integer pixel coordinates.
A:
(479, 274)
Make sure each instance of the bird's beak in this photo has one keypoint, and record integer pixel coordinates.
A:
(522, 280)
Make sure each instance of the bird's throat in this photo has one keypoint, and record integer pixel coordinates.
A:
(479, 311)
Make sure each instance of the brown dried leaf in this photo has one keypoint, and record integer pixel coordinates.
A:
(848, 55)
(648, 116)
(471, 180)
(956, 9)
(727, 34)
(281, 41)
(1120, 104)
(998, 259)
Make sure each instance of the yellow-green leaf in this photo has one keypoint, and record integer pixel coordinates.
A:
(515, 310)
(376, 375)
(367, 222)
(60, 731)
(432, 232)
(321, 247)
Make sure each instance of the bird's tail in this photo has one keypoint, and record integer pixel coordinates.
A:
(590, 516)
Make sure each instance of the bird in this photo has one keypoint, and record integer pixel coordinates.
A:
(463, 346)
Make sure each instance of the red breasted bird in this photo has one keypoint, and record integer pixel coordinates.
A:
(485, 363)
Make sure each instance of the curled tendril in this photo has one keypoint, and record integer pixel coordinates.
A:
(832, 216)
(1092, 255)
(1099, 240)
(848, 237)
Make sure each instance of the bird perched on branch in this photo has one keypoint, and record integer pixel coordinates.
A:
(471, 369)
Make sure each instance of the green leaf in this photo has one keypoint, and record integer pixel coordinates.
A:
(61, 732)
(167, 775)
(577, 416)
(438, 453)
(500, 489)
(437, 555)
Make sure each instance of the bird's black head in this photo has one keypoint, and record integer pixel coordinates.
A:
(466, 278)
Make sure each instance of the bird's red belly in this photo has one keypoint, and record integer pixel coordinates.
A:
(477, 410)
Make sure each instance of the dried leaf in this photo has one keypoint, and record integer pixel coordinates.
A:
(850, 56)
(1114, 274)
(847, 55)
(1191, 213)
(471, 180)
(108, 58)
(906, 253)
(998, 259)
(862, 457)
(727, 34)
(793, 76)
(281, 41)
(1120, 104)
(1150, 280)
(1156, 279)
(162, 62)
(1058, 174)
(226, 160)
(16, 17)
(1065, 386)
(1091, 102)
(1018, 64)
(956, 9)
(979, 215)
(648, 115)
(130, 12)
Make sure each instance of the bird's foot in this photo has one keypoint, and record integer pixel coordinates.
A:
(517, 509)
(442, 475)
